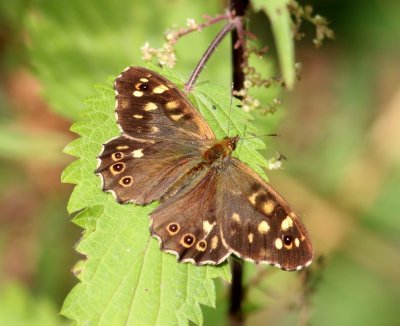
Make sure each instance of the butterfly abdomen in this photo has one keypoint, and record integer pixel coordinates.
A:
(184, 180)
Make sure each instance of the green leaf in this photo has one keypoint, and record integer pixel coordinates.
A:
(126, 279)
(281, 23)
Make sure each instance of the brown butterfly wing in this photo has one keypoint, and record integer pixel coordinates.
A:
(163, 135)
(150, 106)
(188, 225)
(257, 223)
(141, 172)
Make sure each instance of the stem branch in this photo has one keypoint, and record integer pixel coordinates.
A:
(196, 72)
(199, 27)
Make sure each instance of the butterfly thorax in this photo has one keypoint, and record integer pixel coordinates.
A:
(221, 149)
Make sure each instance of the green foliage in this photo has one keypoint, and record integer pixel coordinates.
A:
(18, 307)
(17, 142)
(126, 279)
(76, 45)
(281, 23)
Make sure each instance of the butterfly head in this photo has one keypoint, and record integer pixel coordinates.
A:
(231, 142)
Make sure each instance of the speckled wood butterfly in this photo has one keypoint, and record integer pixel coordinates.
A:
(212, 204)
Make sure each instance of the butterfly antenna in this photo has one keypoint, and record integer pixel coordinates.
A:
(253, 136)
(259, 136)
(230, 108)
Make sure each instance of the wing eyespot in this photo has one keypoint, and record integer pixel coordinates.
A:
(117, 156)
(126, 181)
(143, 87)
(188, 240)
(288, 241)
(201, 245)
(173, 228)
(117, 168)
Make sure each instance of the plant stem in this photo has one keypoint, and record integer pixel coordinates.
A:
(238, 7)
(196, 72)
(238, 55)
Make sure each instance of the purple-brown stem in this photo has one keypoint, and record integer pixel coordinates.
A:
(196, 72)
(238, 47)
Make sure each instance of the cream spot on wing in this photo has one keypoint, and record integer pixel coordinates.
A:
(172, 105)
(155, 129)
(236, 217)
(263, 227)
(251, 237)
(253, 197)
(297, 242)
(176, 117)
(278, 243)
(150, 106)
(122, 147)
(160, 89)
(286, 223)
(144, 80)
(268, 207)
(138, 116)
(137, 93)
(292, 214)
(214, 242)
(207, 227)
(137, 153)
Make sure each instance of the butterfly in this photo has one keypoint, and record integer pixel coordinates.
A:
(212, 205)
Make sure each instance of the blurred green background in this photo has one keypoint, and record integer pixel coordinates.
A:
(339, 129)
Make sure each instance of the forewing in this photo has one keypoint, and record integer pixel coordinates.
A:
(140, 172)
(187, 225)
(257, 223)
(151, 107)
